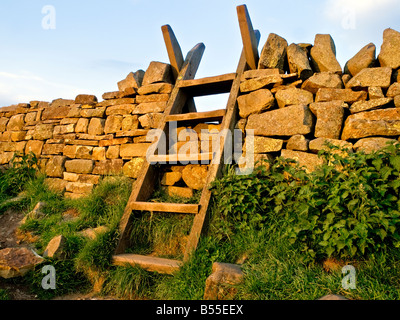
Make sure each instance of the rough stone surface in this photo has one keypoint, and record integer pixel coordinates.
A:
(330, 117)
(16, 262)
(132, 168)
(322, 80)
(157, 72)
(323, 54)
(132, 80)
(170, 178)
(55, 166)
(394, 90)
(195, 176)
(86, 99)
(375, 93)
(79, 166)
(179, 192)
(383, 122)
(55, 248)
(333, 297)
(288, 121)
(345, 95)
(298, 142)
(308, 160)
(371, 77)
(273, 54)
(389, 54)
(255, 102)
(293, 96)
(369, 145)
(365, 58)
(299, 62)
(132, 150)
(320, 144)
(360, 106)
(262, 145)
(261, 82)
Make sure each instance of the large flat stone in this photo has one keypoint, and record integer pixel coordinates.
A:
(255, 102)
(296, 119)
(293, 96)
(16, 262)
(308, 160)
(345, 95)
(384, 122)
(371, 77)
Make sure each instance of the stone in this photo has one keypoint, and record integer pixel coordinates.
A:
(43, 132)
(262, 145)
(5, 157)
(108, 167)
(132, 168)
(255, 102)
(79, 166)
(56, 184)
(84, 152)
(170, 178)
(308, 160)
(158, 97)
(151, 120)
(82, 125)
(273, 54)
(115, 141)
(389, 54)
(120, 109)
(381, 122)
(93, 233)
(181, 192)
(293, 96)
(321, 144)
(58, 109)
(333, 297)
(97, 112)
(397, 101)
(16, 262)
(298, 142)
(17, 136)
(3, 124)
(157, 72)
(369, 145)
(133, 150)
(220, 285)
(96, 126)
(16, 123)
(298, 61)
(258, 73)
(150, 107)
(130, 122)
(323, 54)
(371, 77)
(365, 58)
(259, 83)
(345, 95)
(296, 119)
(330, 117)
(156, 88)
(34, 146)
(375, 93)
(113, 124)
(111, 95)
(112, 152)
(360, 106)
(86, 99)
(56, 248)
(79, 187)
(322, 80)
(195, 176)
(132, 80)
(99, 153)
(55, 166)
(394, 90)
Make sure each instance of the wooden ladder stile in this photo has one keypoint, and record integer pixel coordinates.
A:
(181, 108)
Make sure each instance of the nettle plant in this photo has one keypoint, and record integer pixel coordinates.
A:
(349, 207)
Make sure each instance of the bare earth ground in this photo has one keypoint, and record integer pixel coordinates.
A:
(9, 223)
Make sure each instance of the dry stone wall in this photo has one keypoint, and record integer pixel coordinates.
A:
(299, 98)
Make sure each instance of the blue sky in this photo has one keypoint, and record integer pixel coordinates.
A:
(95, 44)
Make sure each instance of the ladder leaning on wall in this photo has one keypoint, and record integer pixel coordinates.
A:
(181, 108)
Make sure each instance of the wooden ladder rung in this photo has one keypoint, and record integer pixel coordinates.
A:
(216, 115)
(161, 265)
(180, 157)
(165, 207)
(209, 85)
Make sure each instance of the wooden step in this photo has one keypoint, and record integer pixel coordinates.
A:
(216, 115)
(148, 263)
(165, 207)
(209, 85)
(173, 158)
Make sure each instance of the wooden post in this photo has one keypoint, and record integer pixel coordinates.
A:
(173, 49)
(250, 44)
